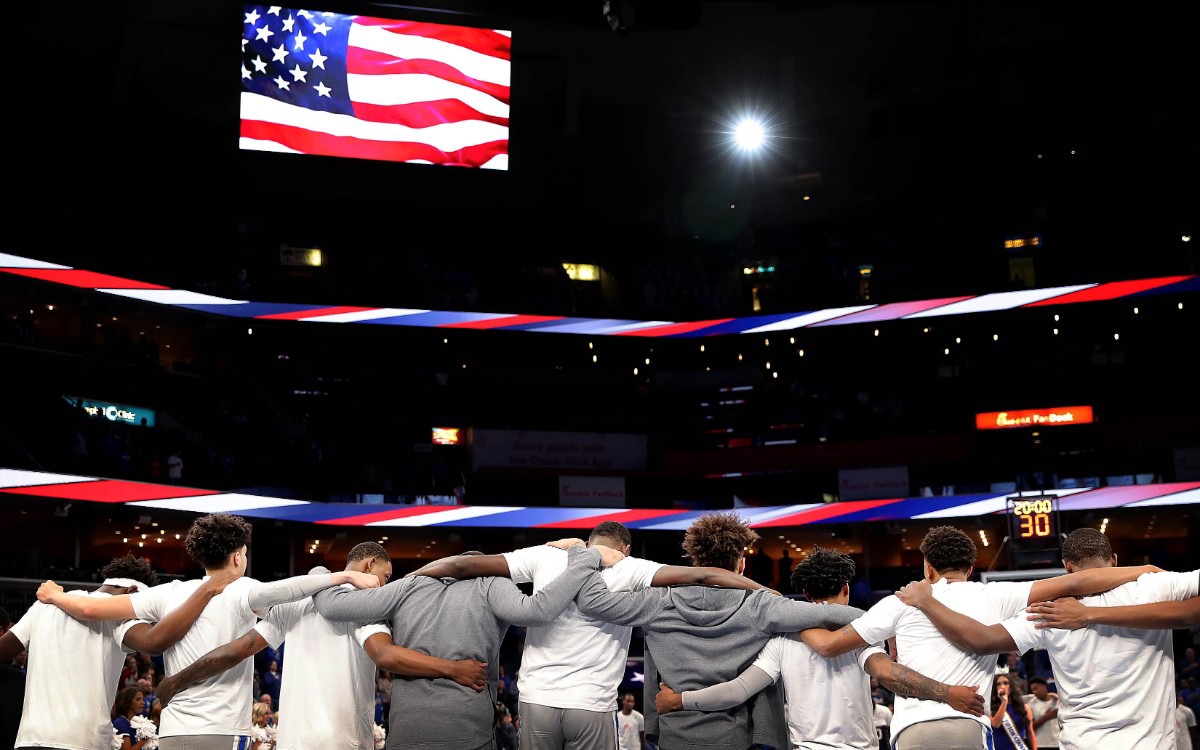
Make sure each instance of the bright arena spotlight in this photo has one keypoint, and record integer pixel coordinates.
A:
(749, 134)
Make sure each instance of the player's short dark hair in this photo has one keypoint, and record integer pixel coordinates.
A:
(213, 538)
(1086, 544)
(823, 573)
(6, 620)
(948, 548)
(718, 540)
(364, 550)
(611, 530)
(137, 568)
(1037, 680)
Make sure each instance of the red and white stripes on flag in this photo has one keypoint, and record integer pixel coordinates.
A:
(375, 88)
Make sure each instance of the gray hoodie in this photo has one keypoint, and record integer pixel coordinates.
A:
(453, 620)
(697, 636)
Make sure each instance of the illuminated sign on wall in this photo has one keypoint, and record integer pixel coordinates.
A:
(447, 436)
(1017, 243)
(139, 416)
(1059, 415)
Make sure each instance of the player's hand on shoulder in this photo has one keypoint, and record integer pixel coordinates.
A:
(565, 543)
(47, 591)
(361, 580)
(608, 556)
(217, 582)
(1066, 613)
(915, 594)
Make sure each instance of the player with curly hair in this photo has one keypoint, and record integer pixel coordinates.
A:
(699, 635)
(83, 660)
(949, 562)
(843, 717)
(211, 716)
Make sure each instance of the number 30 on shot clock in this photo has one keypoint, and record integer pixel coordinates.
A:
(1033, 521)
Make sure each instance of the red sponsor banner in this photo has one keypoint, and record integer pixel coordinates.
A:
(1058, 415)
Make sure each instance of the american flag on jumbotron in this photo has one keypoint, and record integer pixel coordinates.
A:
(374, 88)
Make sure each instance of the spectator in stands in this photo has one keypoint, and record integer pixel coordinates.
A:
(1012, 720)
(260, 737)
(1016, 673)
(128, 704)
(83, 660)
(883, 726)
(175, 467)
(129, 672)
(263, 659)
(270, 683)
(1185, 725)
(146, 685)
(1044, 708)
(631, 725)
(383, 684)
(506, 733)
(1188, 665)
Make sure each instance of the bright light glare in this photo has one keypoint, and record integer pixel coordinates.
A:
(749, 135)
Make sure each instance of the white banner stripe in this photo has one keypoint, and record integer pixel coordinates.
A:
(355, 317)
(998, 504)
(998, 301)
(978, 508)
(16, 261)
(629, 327)
(226, 502)
(769, 514)
(477, 65)
(173, 297)
(415, 88)
(22, 478)
(454, 514)
(1186, 497)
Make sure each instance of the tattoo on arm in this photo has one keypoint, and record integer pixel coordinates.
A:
(904, 681)
(848, 630)
(218, 660)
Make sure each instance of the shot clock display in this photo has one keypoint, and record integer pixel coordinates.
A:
(1033, 530)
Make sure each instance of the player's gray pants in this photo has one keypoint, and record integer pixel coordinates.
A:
(546, 728)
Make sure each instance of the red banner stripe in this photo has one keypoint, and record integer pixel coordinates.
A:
(505, 322)
(387, 515)
(110, 491)
(301, 314)
(82, 279)
(832, 510)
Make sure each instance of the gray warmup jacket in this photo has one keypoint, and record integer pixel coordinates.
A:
(451, 619)
(698, 636)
